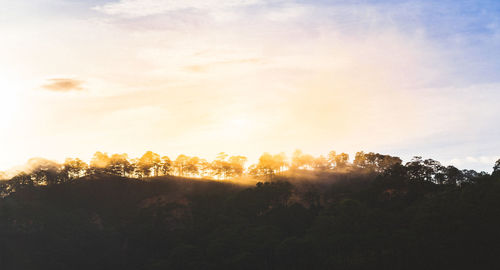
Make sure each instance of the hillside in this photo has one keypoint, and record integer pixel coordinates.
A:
(323, 221)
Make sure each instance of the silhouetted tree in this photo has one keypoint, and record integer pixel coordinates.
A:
(426, 170)
(453, 176)
(375, 161)
(21, 180)
(120, 165)
(496, 168)
(46, 176)
(74, 168)
(46, 172)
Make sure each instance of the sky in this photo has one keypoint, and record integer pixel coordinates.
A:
(406, 78)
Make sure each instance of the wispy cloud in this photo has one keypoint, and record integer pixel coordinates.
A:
(63, 85)
(139, 8)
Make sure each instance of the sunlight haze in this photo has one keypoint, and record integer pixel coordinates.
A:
(245, 77)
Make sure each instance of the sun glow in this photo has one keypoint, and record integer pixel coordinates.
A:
(244, 77)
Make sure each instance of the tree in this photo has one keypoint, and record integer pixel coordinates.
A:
(5, 188)
(297, 159)
(166, 165)
(470, 175)
(387, 162)
(119, 165)
(269, 165)
(426, 170)
(360, 160)
(280, 162)
(331, 159)
(99, 163)
(180, 164)
(192, 166)
(220, 166)
(45, 172)
(374, 161)
(320, 163)
(302, 161)
(74, 168)
(21, 180)
(204, 168)
(453, 175)
(237, 164)
(46, 176)
(496, 168)
(149, 164)
(341, 160)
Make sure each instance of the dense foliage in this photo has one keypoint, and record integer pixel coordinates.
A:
(410, 216)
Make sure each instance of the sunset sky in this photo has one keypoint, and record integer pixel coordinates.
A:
(250, 76)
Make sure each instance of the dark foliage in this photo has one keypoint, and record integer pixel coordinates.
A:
(398, 218)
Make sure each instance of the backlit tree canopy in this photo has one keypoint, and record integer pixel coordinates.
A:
(224, 166)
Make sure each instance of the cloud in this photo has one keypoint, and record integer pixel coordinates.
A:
(63, 85)
(140, 8)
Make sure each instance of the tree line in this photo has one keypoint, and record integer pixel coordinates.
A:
(374, 212)
(45, 172)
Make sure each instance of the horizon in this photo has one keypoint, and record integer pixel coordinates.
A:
(404, 78)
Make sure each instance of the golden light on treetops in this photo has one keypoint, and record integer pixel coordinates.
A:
(223, 167)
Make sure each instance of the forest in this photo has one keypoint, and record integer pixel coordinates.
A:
(328, 212)
(43, 172)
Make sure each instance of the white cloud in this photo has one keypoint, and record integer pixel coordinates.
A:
(139, 8)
